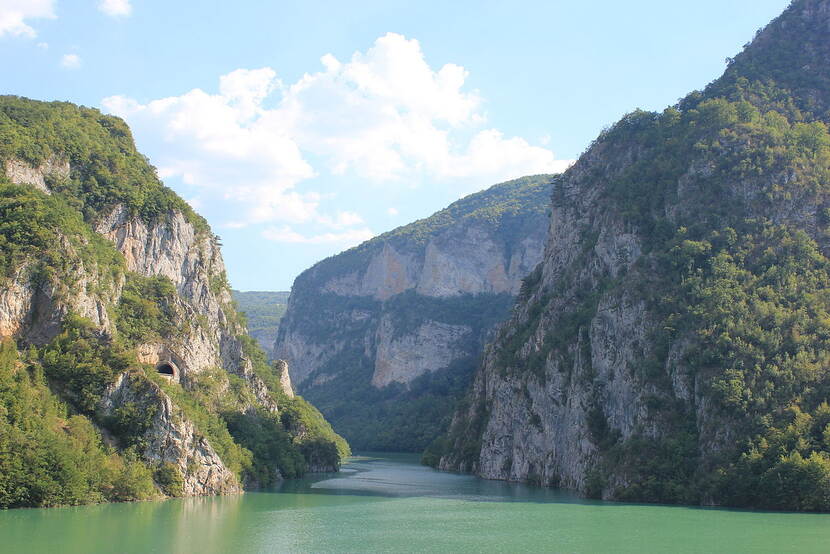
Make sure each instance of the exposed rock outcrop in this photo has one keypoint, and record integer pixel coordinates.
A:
(171, 437)
(415, 303)
(281, 367)
(22, 173)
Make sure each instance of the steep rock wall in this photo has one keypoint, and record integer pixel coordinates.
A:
(612, 376)
(416, 303)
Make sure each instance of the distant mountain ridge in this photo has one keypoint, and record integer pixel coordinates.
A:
(384, 337)
(263, 311)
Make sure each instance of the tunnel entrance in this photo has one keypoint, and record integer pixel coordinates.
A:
(166, 369)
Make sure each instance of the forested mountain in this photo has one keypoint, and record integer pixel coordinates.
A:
(674, 344)
(125, 372)
(263, 311)
(384, 337)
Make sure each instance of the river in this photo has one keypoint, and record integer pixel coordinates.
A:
(389, 503)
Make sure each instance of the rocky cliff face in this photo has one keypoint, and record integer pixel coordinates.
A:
(33, 312)
(171, 437)
(172, 248)
(416, 303)
(132, 281)
(634, 366)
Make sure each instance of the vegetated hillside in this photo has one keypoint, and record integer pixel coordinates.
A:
(125, 372)
(263, 311)
(384, 337)
(674, 345)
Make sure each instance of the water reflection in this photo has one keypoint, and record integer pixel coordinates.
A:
(401, 476)
(390, 503)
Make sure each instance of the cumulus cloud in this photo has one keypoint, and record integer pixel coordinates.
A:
(384, 116)
(115, 8)
(14, 13)
(71, 61)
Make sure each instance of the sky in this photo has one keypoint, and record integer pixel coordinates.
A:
(302, 128)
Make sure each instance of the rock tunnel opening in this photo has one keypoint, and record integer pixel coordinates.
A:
(166, 369)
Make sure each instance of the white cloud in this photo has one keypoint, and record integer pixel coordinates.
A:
(384, 116)
(345, 239)
(392, 211)
(343, 219)
(115, 8)
(71, 61)
(13, 14)
(43, 45)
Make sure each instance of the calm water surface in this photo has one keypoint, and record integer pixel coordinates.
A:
(391, 504)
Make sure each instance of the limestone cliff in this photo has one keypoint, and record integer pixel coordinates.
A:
(118, 291)
(656, 354)
(396, 324)
(171, 437)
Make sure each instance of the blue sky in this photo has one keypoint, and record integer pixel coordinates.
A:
(302, 128)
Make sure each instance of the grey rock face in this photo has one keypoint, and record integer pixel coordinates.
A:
(531, 425)
(430, 347)
(22, 173)
(462, 259)
(33, 310)
(417, 303)
(281, 367)
(193, 262)
(544, 400)
(171, 437)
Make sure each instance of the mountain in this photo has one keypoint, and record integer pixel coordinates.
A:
(674, 343)
(125, 372)
(263, 311)
(384, 337)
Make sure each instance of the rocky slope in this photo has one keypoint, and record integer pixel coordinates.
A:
(672, 344)
(384, 336)
(102, 262)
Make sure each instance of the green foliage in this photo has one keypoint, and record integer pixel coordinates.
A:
(80, 362)
(272, 447)
(50, 450)
(196, 406)
(312, 433)
(169, 478)
(396, 417)
(302, 420)
(49, 458)
(146, 309)
(106, 168)
(435, 451)
(46, 231)
(728, 193)
(509, 207)
(130, 421)
(263, 311)
(735, 276)
(219, 283)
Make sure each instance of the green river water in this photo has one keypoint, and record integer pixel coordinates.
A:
(390, 503)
